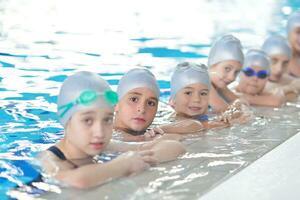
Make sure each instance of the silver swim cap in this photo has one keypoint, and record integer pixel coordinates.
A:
(226, 48)
(293, 21)
(255, 57)
(187, 73)
(83, 90)
(276, 44)
(136, 78)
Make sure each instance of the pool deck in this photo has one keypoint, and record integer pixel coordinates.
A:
(257, 161)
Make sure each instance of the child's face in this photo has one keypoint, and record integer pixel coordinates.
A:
(278, 67)
(136, 110)
(252, 84)
(224, 73)
(90, 130)
(191, 100)
(294, 39)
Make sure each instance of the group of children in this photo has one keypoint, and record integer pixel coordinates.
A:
(90, 111)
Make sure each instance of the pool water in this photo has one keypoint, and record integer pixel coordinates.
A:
(42, 42)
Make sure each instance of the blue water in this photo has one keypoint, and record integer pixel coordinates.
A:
(42, 42)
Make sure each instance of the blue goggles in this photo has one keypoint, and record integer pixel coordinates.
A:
(262, 74)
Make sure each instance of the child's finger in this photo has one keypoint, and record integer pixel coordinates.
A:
(159, 130)
(146, 153)
(150, 160)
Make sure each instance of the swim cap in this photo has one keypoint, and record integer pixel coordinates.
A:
(255, 57)
(226, 48)
(81, 90)
(187, 73)
(293, 21)
(136, 78)
(276, 44)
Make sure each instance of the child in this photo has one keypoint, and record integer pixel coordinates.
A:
(190, 87)
(279, 52)
(293, 30)
(254, 78)
(85, 109)
(139, 97)
(225, 61)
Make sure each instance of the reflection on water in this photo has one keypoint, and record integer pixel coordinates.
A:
(42, 42)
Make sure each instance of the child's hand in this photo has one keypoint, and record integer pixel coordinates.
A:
(136, 161)
(237, 112)
(153, 132)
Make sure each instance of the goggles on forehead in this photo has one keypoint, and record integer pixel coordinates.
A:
(87, 97)
(262, 74)
(187, 65)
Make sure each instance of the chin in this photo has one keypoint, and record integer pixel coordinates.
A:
(138, 128)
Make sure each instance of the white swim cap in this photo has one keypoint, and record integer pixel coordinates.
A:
(187, 73)
(226, 48)
(293, 21)
(275, 45)
(81, 90)
(136, 78)
(256, 57)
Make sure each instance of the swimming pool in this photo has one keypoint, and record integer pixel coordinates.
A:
(43, 42)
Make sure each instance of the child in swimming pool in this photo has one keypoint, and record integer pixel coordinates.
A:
(85, 109)
(190, 87)
(225, 61)
(254, 78)
(293, 30)
(278, 49)
(139, 96)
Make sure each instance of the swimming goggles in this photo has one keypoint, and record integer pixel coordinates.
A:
(262, 74)
(87, 97)
(187, 65)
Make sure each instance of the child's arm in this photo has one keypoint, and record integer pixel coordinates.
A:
(185, 126)
(164, 150)
(290, 90)
(95, 174)
(265, 100)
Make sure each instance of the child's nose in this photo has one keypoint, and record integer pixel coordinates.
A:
(99, 131)
(141, 108)
(231, 76)
(197, 97)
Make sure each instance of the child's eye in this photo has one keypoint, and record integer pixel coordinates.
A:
(274, 61)
(133, 99)
(285, 64)
(204, 93)
(88, 121)
(108, 120)
(189, 93)
(151, 103)
(227, 69)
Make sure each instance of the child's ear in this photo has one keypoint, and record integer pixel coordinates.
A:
(172, 103)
